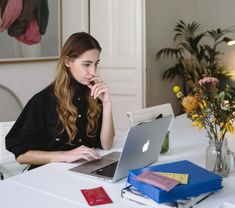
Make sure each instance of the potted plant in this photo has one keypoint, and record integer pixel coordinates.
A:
(194, 57)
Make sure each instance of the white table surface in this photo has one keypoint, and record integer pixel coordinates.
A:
(55, 186)
(13, 195)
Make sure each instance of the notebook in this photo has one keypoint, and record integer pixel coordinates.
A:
(200, 181)
(142, 147)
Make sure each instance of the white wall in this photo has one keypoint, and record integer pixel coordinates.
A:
(75, 17)
(27, 78)
(220, 14)
(161, 18)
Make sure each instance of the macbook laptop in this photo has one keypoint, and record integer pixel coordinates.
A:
(142, 147)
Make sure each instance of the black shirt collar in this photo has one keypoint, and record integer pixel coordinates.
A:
(80, 89)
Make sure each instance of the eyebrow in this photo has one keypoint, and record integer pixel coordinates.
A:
(87, 61)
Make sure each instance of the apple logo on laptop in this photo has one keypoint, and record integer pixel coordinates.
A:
(145, 146)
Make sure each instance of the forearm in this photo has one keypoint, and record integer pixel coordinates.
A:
(36, 157)
(107, 129)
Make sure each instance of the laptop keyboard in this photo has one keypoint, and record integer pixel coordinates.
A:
(108, 170)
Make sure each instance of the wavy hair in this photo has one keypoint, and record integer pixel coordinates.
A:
(64, 90)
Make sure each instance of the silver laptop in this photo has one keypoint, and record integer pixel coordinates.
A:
(142, 147)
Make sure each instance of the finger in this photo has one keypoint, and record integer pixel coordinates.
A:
(97, 91)
(90, 86)
(87, 156)
(90, 152)
(84, 156)
(96, 79)
(95, 88)
(95, 154)
(99, 86)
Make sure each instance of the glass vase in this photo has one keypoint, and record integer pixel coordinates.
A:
(218, 158)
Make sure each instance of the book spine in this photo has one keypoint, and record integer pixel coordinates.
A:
(141, 199)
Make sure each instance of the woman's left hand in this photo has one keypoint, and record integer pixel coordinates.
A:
(99, 89)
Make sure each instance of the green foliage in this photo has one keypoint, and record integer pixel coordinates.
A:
(194, 57)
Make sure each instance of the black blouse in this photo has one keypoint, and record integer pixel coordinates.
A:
(37, 126)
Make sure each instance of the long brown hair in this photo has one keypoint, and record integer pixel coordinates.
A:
(75, 46)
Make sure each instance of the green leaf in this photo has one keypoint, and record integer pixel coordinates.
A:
(195, 57)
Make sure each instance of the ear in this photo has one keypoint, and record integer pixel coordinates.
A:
(67, 61)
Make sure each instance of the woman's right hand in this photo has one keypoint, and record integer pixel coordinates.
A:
(82, 152)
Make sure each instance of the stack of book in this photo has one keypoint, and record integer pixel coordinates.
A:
(198, 185)
(133, 194)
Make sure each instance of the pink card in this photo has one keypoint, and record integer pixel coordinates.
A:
(157, 180)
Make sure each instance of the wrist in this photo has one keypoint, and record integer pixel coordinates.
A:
(107, 104)
(59, 156)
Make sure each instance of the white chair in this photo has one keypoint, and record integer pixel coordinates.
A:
(10, 105)
(10, 108)
(8, 164)
(150, 113)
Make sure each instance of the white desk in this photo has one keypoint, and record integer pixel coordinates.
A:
(14, 195)
(53, 183)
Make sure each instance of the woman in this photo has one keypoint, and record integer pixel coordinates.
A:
(67, 120)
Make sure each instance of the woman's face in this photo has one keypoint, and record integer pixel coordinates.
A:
(84, 67)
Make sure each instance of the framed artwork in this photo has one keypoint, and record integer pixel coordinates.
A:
(41, 39)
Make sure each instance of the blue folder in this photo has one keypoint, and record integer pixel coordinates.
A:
(200, 181)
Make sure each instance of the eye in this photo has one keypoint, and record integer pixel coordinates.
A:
(86, 64)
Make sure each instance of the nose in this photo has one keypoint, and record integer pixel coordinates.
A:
(92, 70)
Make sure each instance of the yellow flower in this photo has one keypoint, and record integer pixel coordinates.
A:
(179, 94)
(176, 89)
(200, 125)
(221, 124)
(204, 103)
(194, 116)
(230, 128)
(195, 123)
(204, 114)
(189, 103)
(201, 106)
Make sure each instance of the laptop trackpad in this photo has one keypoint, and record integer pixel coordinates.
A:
(90, 166)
